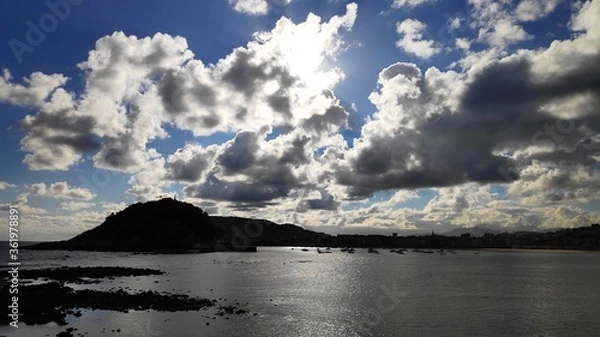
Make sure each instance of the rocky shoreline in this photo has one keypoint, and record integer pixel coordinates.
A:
(53, 301)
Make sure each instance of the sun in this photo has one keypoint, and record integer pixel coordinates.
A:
(304, 53)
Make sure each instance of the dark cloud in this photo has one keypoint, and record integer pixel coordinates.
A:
(267, 173)
(504, 108)
(172, 93)
(239, 155)
(296, 155)
(177, 88)
(236, 191)
(69, 134)
(189, 170)
(334, 117)
(246, 72)
(326, 202)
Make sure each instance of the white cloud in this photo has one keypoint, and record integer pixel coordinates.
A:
(61, 190)
(531, 10)
(412, 40)
(497, 24)
(463, 44)
(22, 204)
(409, 3)
(257, 7)
(37, 88)
(4, 185)
(276, 80)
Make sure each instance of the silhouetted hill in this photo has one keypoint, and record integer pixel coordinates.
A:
(239, 232)
(154, 226)
(168, 225)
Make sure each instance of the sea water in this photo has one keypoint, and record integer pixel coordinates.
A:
(289, 292)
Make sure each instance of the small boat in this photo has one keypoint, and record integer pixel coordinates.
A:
(373, 251)
(319, 251)
(350, 251)
(304, 250)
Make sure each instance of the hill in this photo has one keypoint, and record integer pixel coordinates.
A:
(168, 225)
(156, 226)
(240, 232)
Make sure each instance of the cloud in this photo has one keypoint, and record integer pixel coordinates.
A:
(57, 135)
(4, 185)
(37, 89)
(497, 24)
(534, 106)
(257, 7)
(531, 10)
(409, 3)
(22, 204)
(463, 44)
(276, 80)
(250, 170)
(412, 40)
(188, 163)
(61, 190)
(542, 185)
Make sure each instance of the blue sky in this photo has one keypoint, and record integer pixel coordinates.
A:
(340, 116)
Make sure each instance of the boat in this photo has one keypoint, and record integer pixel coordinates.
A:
(319, 251)
(304, 250)
(373, 251)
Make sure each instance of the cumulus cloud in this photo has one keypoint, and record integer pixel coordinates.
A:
(4, 185)
(22, 203)
(496, 23)
(60, 190)
(37, 88)
(531, 10)
(412, 40)
(422, 134)
(134, 86)
(251, 170)
(409, 3)
(188, 163)
(257, 7)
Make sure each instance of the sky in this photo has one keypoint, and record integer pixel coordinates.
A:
(401, 116)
